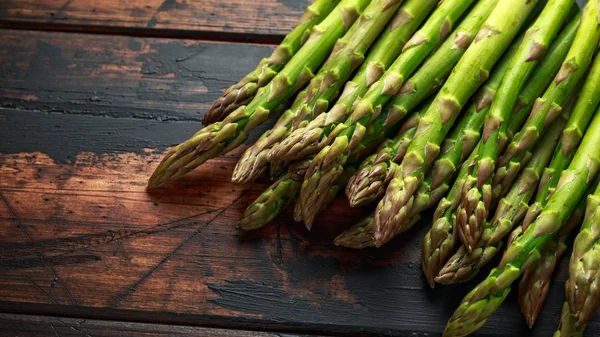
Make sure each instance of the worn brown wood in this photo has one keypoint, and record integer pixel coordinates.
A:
(233, 19)
(80, 237)
(40, 326)
(116, 76)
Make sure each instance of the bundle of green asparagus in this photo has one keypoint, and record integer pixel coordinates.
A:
(484, 110)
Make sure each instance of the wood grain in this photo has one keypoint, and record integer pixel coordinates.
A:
(119, 76)
(80, 237)
(241, 20)
(39, 326)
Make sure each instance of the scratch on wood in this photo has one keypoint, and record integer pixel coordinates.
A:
(40, 289)
(129, 290)
(41, 256)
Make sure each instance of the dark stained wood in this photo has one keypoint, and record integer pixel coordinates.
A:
(119, 77)
(39, 326)
(80, 237)
(235, 19)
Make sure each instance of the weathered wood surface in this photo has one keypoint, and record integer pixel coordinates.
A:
(40, 326)
(244, 20)
(80, 237)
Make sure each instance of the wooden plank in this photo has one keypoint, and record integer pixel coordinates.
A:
(242, 20)
(81, 237)
(116, 76)
(39, 326)
(85, 239)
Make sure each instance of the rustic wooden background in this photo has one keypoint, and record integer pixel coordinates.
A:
(92, 93)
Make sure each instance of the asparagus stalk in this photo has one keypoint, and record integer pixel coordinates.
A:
(325, 127)
(578, 121)
(472, 70)
(535, 283)
(373, 179)
(477, 197)
(485, 298)
(348, 55)
(360, 235)
(567, 327)
(582, 287)
(462, 140)
(335, 156)
(269, 204)
(405, 22)
(464, 265)
(317, 184)
(548, 107)
(244, 91)
(300, 211)
(441, 239)
(372, 176)
(222, 137)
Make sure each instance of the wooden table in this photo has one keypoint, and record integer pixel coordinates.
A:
(92, 93)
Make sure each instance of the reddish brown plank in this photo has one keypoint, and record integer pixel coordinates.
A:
(86, 239)
(239, 19)
(39, 326)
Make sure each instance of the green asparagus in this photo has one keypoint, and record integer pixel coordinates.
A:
(578, 121)
(582, 287)
(347, 56)
(471, 71)
(567, 327)
(269, 204)
(372, 176)
(325, 127)
(360, 235)
(485, 298)
(441, 239)
(464, 264)
(244, 91)
(535, 283)
(371, 186)
(222, 137)
(477, 196)
(548, 107)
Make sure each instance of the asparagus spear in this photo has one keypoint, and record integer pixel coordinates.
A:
(372, 176)
(325, 127)
(373, 179)
(578, 121)
(439, 242)
(299, 211)
(464, 265)
(222, 137)
(348, 55)
(462, 140)
(472, 69)
(405, 22)
(485, 298)
(332, 157)
(477, 196)
(582, 287)
(269, 204)
(360, 235)
(535, 283)
(315, 187)
(567, 327)
(441, 239)
(547, 108)
(244, 91)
